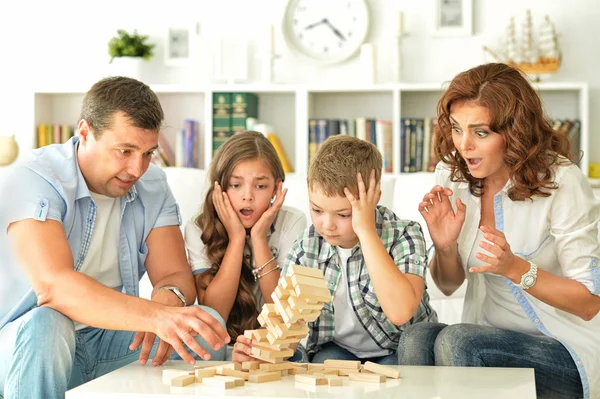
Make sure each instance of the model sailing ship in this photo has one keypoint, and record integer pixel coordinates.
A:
(545, 61)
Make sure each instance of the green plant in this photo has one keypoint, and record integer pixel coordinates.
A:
(126, 45)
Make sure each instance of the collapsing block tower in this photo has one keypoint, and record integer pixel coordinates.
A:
(298, 299)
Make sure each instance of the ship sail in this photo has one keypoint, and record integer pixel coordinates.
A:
(548, 40)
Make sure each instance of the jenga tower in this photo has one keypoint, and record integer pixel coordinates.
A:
(298, 299)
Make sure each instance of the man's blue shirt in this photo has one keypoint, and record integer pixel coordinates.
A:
(51, 186)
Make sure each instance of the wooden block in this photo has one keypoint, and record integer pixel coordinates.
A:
(367, 377)
(297, 370)
(305, 271)
(334, 381)
(283, 373)
(309, 281)
(295, 303)
(274, 354)
(183, 380)
(286, 283)
(249, 334)
(265, 377)
(342, 364)
(311, 316)
(316, 294)
(269, 309)
(282, 293)
(275, 347)
(260, 335)
(390, 372)
(266, 359)
(169, 374)
(314, 366)
(231, 366)
(200, 374)
(273, 340)
(239, 382)
(234, 373)
(331, 371)
(251, 365)
(310, 380)
(276, 367)
(346, 372)
(216, 382)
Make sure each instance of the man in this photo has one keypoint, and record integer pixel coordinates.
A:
(83, 221)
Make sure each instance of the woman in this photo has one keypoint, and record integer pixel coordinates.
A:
(523, 233)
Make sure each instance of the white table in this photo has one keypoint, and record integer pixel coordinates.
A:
(136, 381)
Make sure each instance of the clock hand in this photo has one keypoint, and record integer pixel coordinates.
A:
(335, 30)
(324, 20)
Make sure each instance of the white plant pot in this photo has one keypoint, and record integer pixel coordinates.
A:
(132, 67)
(8, 150)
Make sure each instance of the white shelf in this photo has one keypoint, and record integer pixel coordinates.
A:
(288, 108)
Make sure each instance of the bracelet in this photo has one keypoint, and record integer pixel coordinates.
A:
(259, 276)
(256, 271)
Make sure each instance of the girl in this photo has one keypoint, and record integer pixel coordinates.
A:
(239, 241)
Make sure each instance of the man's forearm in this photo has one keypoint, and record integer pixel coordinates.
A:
(182, 280)
(85, 300)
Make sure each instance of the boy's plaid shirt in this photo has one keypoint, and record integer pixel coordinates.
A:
(404, 241)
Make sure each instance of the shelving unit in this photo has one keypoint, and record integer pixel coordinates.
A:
(288, 108)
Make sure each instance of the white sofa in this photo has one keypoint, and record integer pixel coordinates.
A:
(400, 193)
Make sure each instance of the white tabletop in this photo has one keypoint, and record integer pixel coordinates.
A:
(136, 381)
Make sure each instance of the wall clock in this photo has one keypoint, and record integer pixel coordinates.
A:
(326, 31)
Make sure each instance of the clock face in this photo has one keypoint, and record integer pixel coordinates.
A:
(326, 31)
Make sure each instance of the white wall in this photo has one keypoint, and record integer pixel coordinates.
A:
(45, 43)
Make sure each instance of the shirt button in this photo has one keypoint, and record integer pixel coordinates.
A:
(518, 294)
(537, 320)
(247, 256)
(499, 207)
(579, 362)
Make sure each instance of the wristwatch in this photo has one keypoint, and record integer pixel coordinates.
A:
(175, 291)
(528, 279)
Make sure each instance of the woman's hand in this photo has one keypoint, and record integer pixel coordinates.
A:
(242, 350)
(443, 223)
(227, 215)
(262, 226)
(501, 260)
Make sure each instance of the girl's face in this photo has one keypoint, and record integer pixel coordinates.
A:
(482, 149)
(250, 189)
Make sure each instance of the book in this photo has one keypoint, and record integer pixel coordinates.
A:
(243, 106)
(285, 162)
(222, 120)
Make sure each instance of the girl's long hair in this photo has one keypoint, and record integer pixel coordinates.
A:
(533, 147)
(243, 146)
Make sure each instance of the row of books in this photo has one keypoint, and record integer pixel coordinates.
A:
(231, 113)
(53, 134)
(376, 131)
(186, 152)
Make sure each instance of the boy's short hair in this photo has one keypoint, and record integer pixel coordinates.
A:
(337, 162)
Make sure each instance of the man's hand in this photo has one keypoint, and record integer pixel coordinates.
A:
(146, 339)
(363, 207)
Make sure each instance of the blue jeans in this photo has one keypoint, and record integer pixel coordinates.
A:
(470, 345)
(42, 356)
(333, 351)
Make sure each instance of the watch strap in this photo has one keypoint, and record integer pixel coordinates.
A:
(175, 291)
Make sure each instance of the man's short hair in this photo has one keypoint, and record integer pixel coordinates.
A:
(337, 162)
(121, 94)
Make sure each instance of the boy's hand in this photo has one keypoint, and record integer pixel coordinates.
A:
(262, 226)
(242, 350)
(363, 208)
(227, 215)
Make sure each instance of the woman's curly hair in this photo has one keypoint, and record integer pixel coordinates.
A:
(533, 147)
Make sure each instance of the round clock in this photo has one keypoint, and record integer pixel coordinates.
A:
(326, 31)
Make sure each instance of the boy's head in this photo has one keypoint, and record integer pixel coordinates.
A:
(334, 168)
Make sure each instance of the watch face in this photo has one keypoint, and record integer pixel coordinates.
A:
(528, 281)
(326, 31)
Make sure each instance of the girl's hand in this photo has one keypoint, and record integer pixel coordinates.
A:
(227, 215)
(262, 226)
(242, 350)
(501, 261)
(363, 208)
(443, 223)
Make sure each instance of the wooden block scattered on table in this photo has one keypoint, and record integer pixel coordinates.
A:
(169, 374)
(390, 372)
(342, 364)
(216, 382)
(251, 365)
(183, 380)
(239, 382)
(346, 372)
(334, 381)
(234, 373)
(266, 367)
(310, 379)
(200, 374)
(265, 377)
(367, 377)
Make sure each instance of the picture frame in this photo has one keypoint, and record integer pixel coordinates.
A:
(181, 43)
(453, 18)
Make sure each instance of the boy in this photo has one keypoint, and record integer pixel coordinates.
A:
(374, 262)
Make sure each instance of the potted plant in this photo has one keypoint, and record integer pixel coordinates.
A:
(128, 52)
